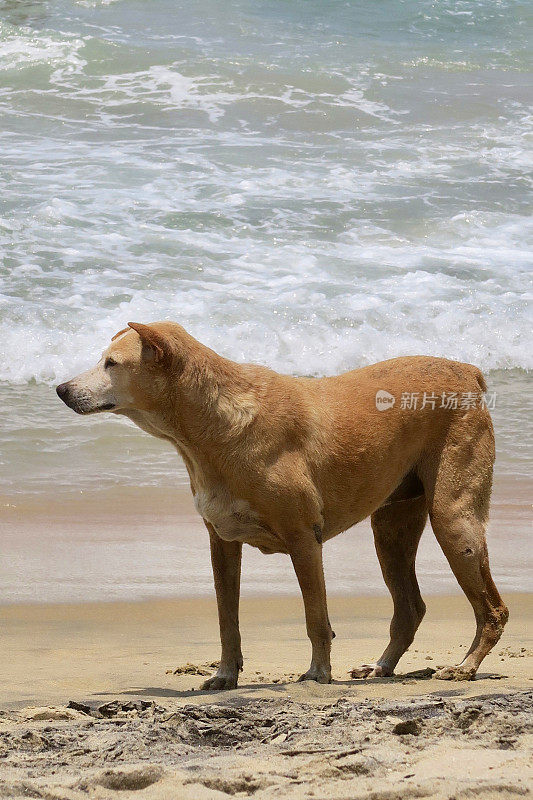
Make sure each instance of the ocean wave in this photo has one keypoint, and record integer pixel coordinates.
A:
(288, 308)
(313, 192)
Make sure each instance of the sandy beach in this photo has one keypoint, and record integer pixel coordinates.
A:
(91, 705)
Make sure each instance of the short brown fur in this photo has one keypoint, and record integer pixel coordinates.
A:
(286, 463)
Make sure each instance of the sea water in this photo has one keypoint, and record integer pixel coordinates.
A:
(309, 185)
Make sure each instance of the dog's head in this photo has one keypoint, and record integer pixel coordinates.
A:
(131, 373)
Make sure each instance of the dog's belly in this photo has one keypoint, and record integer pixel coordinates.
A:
(235, 521)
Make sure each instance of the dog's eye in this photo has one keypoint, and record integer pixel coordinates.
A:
(109, 362)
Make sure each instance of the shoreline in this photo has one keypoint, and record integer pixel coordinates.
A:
(126, 543)
(257, 596)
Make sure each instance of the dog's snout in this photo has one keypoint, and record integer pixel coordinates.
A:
(63, 391)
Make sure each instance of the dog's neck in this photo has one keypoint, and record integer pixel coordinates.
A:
(209, 405)
(215, 400)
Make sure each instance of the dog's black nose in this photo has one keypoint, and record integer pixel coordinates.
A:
(62, 391)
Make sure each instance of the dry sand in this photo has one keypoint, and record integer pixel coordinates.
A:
(141, 731)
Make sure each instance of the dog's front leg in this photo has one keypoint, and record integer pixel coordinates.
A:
(306, 555)
(226, 561)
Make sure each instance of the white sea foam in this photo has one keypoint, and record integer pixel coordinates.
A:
(284, 310)
(23, 47)
(298, 200)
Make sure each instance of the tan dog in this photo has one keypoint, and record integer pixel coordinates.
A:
(285, 464)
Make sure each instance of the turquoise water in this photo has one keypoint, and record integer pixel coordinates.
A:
(313, 185)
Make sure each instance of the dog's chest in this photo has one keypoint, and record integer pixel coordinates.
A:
(234, 519)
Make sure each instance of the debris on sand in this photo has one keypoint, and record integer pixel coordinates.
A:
(270, 747)
(194, 669)
(407, 726)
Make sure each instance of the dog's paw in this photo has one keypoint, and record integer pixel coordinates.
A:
(318, 674)
(371, 671)
(455, 674)
(221, 680)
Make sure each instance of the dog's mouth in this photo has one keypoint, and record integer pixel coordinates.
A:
(82, 408)
(83, 404)
(106, 407)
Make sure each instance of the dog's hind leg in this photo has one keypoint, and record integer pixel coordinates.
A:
(463, 543)
(458, 485)
(397, 530)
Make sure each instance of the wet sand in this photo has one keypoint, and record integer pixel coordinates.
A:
(130, 543)
(140, 729)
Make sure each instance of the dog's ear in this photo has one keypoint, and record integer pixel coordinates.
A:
(156, 347)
